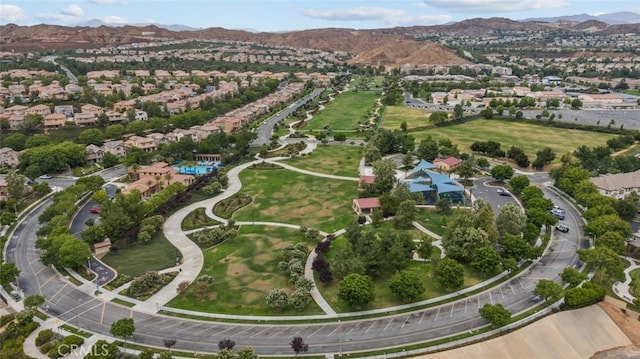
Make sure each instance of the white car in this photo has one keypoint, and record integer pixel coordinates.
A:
(45, 177)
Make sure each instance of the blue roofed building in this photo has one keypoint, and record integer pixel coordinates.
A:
(433, 185)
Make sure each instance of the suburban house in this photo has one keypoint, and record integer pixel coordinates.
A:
(8, 157)
(143, 143)
(141, 115)
(66, 110)
(85, 119)
(447, 164)
(4, 190)
(16, 110)
(89, 108)
(617, 185)
(55, 120)
(115, 147)
(93, 154)
(42, 110)
(153, 178)
(364, 206)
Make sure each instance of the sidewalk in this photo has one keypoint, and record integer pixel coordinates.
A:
(623, 289)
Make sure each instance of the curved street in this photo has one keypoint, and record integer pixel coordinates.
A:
(79, 306)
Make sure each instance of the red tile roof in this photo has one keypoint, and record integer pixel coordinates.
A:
(367, 179)
(451, 161)
(367, 203)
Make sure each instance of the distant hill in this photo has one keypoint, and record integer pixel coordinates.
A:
(390, 46)
(616, 18)
(173, 27)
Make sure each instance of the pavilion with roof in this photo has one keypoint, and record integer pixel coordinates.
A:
(433, 185)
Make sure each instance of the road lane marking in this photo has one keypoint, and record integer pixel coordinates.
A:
(58, 292)
(436, 317)
(267, 329)
(104, 307)
(512, 290)
(490, 297)
(501, 293)
(421, 317)
(452, 306)
(388, 324)
(371, 326)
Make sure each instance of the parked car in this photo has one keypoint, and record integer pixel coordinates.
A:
(95, 209)
(562, 228)
(558, 209)
(499, 190)
(45, 176)
(558, 214)
(505, 193)
(536, 298)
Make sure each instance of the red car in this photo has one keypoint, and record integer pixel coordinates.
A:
(95, 209)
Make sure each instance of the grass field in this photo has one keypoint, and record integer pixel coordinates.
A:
(383, 296)
(197, 219)
(336, 160)
(244, 270)
(280, 195)
(138, 258)
(345, 111)
(432, 220)
(395, 115)
(635, 282)
(530, 138)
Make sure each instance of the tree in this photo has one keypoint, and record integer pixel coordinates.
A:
(502, 172)
(247, 353)
(428, 149)
(300, 298)
(608, 223)
(15, 185)
(466, 170)
(548, 289)
(17, 141)
(92, 136)
(613, 240)
(114, 131)
(486, 260)
(33, 301)
(277, 299)
(109, 160)
(406, 285)
(449, 274)
(510, 220)
(356, 290)
(518, 183)
(8, 273)
(425, 248)
(123, 328)
(226, 344)
(7, 218)
(298, 345)
(168, 343)
(514, 246)
(496, 315)
(73, 253)
(572, 276)
(405, 214)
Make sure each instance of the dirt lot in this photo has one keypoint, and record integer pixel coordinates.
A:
(630, 325)
(572, 334)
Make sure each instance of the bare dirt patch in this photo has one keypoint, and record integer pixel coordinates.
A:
(237, 269)
(628, 322)
(260, 285)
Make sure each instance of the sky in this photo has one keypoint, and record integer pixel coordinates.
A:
(287, 15)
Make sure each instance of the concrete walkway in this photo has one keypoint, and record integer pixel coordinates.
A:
(623, 289)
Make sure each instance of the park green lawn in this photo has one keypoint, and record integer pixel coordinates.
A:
(244, 270)
(635, 282)
(432, 220)
(395, 115)
(281, 195)
(331, 159)
(383, 296)
(345, 111)
(137, 258)
(531, 138)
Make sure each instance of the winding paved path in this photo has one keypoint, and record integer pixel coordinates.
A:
(623, 289)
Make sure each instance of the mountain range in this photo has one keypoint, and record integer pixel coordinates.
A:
(389, 46)
(616, 18)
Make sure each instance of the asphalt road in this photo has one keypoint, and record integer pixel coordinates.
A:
(265, 129)
(490, 194)
(70, 304)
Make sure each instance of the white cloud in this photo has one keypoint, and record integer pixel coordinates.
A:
(113, 20)
(354, 14)
(57, 18)
(109, 2)
(12, 14)
(72, 10)
(495, 5)
(419, 4)
(423, 20)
